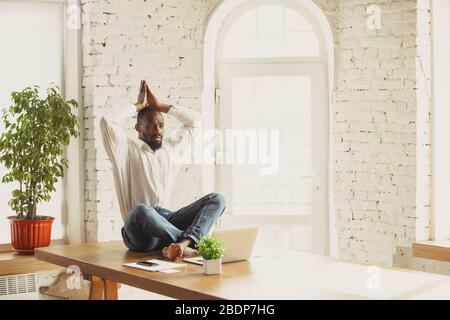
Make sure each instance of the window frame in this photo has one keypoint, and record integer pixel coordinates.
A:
(222, 179)
(319, 245)
(440, 154)
(73, 181)
(242, 9)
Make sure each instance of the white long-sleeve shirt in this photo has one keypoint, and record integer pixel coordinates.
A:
(142, 175)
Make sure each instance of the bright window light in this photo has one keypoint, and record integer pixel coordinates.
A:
(270, 31)
(31, 36)
(290, 191)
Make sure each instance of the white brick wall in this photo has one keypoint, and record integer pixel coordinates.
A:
(124, 42)
(381, 129)
(380, 124)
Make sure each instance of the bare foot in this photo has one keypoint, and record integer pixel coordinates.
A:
(173, 251)
(176, 250)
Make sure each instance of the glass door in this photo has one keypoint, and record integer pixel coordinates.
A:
(274, 156)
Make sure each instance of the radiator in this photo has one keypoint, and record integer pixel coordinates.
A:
(19, 287)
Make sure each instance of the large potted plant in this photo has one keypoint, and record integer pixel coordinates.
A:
(212, 250)
(32, 148)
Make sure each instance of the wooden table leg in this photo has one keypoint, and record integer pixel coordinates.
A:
(102, 289)
(110, 289)
(97, 288)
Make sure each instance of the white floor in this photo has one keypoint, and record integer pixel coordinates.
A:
(131, 293)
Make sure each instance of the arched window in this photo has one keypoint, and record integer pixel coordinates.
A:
(271, 99)
(269, 31)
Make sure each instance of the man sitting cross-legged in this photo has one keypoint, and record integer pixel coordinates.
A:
(144, 174)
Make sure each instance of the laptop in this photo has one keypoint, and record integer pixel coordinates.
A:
(238, 242)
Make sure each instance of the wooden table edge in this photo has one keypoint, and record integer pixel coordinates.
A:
(151, 285)
(431, 250)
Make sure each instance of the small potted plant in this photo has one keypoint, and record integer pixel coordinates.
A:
(32, 148)
(212, 250)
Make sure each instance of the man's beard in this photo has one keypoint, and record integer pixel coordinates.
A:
(154, 145)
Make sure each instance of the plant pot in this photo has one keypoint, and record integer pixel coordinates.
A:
(26, 235)
(212, 266)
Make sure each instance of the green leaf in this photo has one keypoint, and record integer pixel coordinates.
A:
(211, 248)
(32, 145)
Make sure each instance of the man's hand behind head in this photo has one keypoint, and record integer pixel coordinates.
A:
(152, 101)
(142, 97)
(146, 99)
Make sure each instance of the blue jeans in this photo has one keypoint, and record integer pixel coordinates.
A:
(147, 228)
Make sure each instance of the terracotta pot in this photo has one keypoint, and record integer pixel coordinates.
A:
(26, 235)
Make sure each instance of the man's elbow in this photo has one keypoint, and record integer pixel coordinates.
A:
(104, 125)
(197, 123)
(103, 122)
(197, 120)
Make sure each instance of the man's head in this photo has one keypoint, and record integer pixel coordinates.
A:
(150, 126)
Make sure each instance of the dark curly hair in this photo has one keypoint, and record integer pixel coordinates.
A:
(141, 114)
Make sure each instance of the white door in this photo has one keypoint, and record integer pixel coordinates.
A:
(263, 99)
